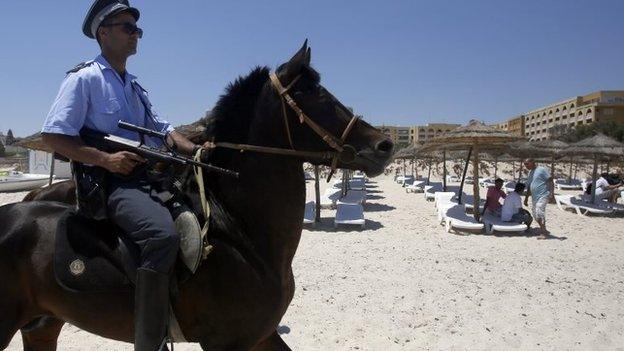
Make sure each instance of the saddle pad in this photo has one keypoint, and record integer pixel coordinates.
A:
(89, 256)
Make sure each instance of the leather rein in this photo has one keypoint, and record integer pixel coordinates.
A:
(343, 152)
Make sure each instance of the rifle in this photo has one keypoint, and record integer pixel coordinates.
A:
(112, 143)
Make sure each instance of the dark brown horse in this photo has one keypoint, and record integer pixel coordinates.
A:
(241, 291)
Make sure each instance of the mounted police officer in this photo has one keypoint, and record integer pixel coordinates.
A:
(97, 94)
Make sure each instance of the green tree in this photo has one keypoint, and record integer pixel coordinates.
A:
(2, 150)
(10, 139)
(611, 129)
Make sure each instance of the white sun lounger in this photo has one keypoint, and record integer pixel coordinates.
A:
(468, 201)
(329, 198)
(562, 184)
(442, 197)
(430, 190)
(455, 218)
(495, 224)
(442, 202)
(581, 208)
(452, 179)
(355, 184)
(309, 216)
(354, 197)
(349, 214)
(403, 179)
(415, 187)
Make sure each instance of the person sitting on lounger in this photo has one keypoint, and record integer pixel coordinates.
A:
(607, 191)
(512, 210)
(492, 201)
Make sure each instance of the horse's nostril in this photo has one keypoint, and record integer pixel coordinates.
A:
(384, 146)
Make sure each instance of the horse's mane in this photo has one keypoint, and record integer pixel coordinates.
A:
(231, 116)
(229, 121)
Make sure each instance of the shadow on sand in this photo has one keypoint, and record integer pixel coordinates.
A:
(532, 233)
(375, 207)
(374, 197)
(327, 225)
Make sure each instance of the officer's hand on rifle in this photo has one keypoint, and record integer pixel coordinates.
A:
(209, 145)
(122, 162)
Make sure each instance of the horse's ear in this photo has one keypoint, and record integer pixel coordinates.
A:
(309, 56)
(292, 68)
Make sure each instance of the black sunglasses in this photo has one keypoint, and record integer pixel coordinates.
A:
(127, 28)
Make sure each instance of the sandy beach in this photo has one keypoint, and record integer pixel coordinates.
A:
(403, 283)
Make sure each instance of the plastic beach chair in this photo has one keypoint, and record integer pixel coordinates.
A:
(493, 223)
(354, 197)
(563, 184)
(329, 198)
(415, 187)
(430, 190)
(349, 214)
(309, 216)
(455, 218)
(580, 207)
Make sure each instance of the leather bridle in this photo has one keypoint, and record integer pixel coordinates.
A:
(343, 151)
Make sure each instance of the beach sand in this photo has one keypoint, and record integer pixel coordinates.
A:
(403, 283)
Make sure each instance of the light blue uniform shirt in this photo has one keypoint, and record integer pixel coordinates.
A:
(538, 183)
(97, 98)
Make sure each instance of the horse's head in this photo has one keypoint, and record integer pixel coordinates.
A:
(314, 120)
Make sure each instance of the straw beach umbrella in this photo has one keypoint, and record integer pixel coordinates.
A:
(546, 150)
(475, 137)
(598, 148)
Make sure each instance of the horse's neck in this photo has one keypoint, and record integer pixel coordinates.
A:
(269, 199)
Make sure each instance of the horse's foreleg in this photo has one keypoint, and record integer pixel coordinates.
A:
(44, 336)
(10, 321)
(272, 343)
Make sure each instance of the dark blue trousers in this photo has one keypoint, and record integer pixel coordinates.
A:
(134, 207)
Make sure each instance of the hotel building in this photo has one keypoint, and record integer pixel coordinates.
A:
(403, 136)
(543, 122)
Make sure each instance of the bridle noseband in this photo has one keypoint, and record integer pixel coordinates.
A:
(343, 152)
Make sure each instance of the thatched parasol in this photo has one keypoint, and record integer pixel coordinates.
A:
(476, 137)
(599, 148)
(546, 150)
(497, 157)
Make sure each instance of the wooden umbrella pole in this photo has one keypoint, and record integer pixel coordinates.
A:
(570, 175)
(594, 174)
(404, 170)
(444, 170)
(495, 169)
(317, 193)
(513, 170)
(51, 170)
(475, 183)
(429, 174)
(461, 185)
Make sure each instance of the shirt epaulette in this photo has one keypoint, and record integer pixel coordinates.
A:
(139, 85)
(80, 66)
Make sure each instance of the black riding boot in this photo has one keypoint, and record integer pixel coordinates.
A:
(151, 310)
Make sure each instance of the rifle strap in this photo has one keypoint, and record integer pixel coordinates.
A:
(199, 178)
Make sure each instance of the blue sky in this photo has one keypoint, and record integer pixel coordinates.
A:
(395, 62)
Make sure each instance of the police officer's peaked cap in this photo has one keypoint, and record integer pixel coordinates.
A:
(102, 9)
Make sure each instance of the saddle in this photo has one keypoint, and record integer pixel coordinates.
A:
(96, 256)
